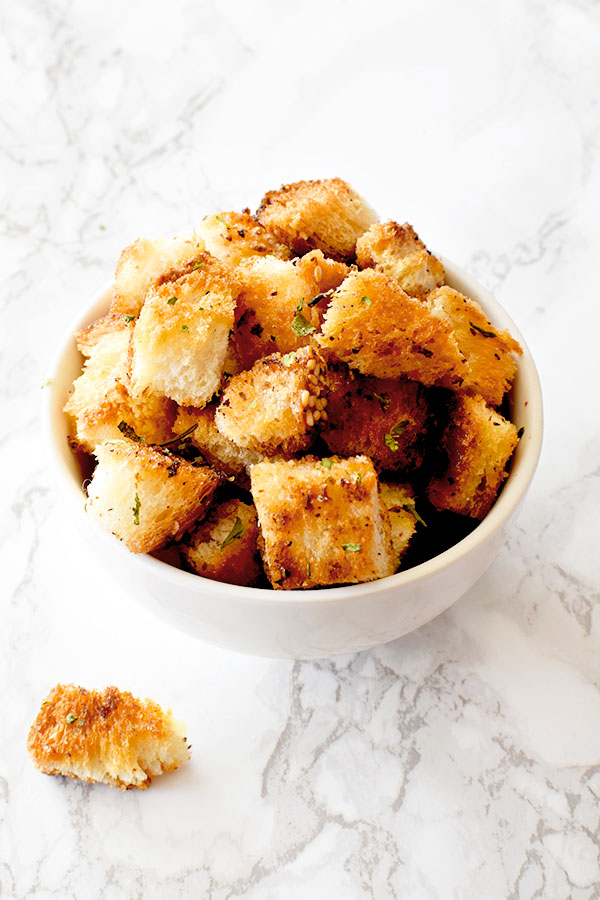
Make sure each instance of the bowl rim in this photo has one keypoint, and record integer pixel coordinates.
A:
(523, 467)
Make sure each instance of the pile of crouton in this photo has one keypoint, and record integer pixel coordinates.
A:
(277, 395)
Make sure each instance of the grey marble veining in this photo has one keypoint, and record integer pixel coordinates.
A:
(463, 761)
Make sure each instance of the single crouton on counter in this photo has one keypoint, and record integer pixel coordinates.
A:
(375, 327)
(384, 419)
(147, 496)
(274, 406)
(221, 453)
(488, 350)
(224, 546)
(143, 262)
(400, 503)
(101, 399)
(398, 252)
(276, 304)
(322, 522)
(105, 736)
(479, 443)
(233, 236)
(182, 333)
(325, 215)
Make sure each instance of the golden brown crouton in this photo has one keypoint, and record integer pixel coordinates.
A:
(105, 736)
(400, 504)
(398, 252)
(100, 398)
(182, 333)
(479, 442)
(147, 496)
(381, 418)
(274, 406)
(374, 326)
(143, 262)
(488, 350)
(325, 215)
(219, 451)
(233, 236)
(224, 546)
(322, 522)
(274, 311)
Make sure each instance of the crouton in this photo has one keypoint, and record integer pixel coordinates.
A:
(275, 405)
(488, 350)
(325, 215)
(143, 262)
(100, 398)
(398, 252)
(383, 419)
(219, 451)
(322, 522)
(479, 443)
(275, 309)
(147, 496)
(182, 333)
(374, 326)
(224, 546)
(232, 237)
(400, 504)
(105, 736)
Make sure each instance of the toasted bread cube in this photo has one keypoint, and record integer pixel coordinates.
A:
(325, 215)
(147, 496)
(273, 292)
(488, 350)
(322, 522)
(105, 736)
(143, 262)
(233, 236)
(222, 454)
(479, 443)
(374, 326)
(100, 398)
(182, 334)
(400, 504)
(224, 546)
(383, 419)
(398, 252)
(274, 406)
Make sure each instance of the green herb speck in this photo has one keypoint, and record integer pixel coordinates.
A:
(185, 328)
(70, 718)
(135, 509)
(172, 301)
(351, 548)
(235, 533)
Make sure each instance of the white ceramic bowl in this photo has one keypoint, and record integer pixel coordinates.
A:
(303, 624)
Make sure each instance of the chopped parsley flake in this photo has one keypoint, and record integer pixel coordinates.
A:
(70, 718)
(197, 265)
(219, 219)
(366, 301)
(326, 463)
(129, 317)
(135, 509)
(351, 548)
(411, 508)
(390, 439)
(80, 722)
(482, 330)
(172, 301)
(252, 405)
(128, 432)
(383, 399)
(288, 359)
(235, 533)
(359, 477)
(308, 570)
(185, 328)
(47, 382)
(300, 325)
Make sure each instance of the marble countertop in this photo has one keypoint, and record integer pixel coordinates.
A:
(462, 761)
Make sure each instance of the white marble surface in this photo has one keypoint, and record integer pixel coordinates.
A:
(460, 762)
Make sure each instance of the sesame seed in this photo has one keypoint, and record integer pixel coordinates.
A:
(316, 415)
(310, 419)
(317, 371)
(311, 364)
(312, 401)
(312, 378)
(318, 273)
(304, 398)
(324, 415)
